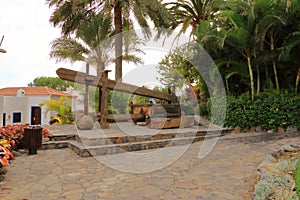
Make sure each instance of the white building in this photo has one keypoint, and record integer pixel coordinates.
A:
(21, 104)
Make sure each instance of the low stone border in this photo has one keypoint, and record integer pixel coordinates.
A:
(259, 129)
(278, 151)
(272, 156)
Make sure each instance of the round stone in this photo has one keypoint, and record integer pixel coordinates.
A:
(85, 122)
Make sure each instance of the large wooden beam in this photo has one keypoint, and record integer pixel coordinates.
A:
(80, 77)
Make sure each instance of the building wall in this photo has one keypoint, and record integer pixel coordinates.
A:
(23, 105)
(1, 109)
(34, 101)
(77, 101)
(13, 105)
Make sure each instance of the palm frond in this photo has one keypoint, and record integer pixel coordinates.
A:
(64, 48)
(291, 42)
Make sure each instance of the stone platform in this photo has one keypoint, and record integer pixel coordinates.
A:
(124, 137)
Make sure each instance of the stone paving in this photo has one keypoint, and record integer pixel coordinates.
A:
(229, 171)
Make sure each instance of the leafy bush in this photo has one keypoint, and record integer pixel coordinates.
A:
(269, 110)
(262, 190)
(62, 107)
(297, 179)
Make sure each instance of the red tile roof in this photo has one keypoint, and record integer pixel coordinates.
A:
(33, 91)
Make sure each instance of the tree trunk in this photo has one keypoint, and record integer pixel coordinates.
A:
(251, 76)
(276, 76)
(274, 64)
(258, 76)
(100, 72)
(86, 93)
(227, 86)
(118, 40)
(268, 83)
(297, 81)
(258, 80)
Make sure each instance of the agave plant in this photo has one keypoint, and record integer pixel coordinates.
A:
(62, 107)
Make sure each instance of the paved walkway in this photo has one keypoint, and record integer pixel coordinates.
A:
(228, 172)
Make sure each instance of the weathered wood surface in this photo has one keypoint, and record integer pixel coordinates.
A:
(164, 123)
(122, 117)
(156, 110)
(83, 78)
(165, 110)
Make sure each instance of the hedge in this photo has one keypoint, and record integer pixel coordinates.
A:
(268, 110)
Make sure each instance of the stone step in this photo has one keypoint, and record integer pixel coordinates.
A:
(55, 144)
(104, 140)
(130, 139)
(57, 141)
(62, 137)
(85, 150)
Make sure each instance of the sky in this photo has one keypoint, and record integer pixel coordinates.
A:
(27, 40)
(27, 37)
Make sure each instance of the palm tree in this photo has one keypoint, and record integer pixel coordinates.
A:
(93, 44)
(240, 35)
(191, 13)
(270, 28)
(85, 46)
(70, 14)
(291, 45)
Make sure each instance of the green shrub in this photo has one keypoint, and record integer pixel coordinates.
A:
(262, 190)
(276, 183)
(297, 179)
(269, 110)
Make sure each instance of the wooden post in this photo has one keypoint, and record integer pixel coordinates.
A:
(169, 92)
(99, 75)
(103, 105)
(99, 99)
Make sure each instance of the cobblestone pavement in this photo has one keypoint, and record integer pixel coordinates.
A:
(228, 172)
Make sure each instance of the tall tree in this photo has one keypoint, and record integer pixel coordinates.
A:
(241, 34)
(291, 45)
(191, 13)
(52, 82)
(70, 14)
(85, 45)
(270, 26)
(92, 43)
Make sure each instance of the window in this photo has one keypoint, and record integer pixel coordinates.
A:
(16, 117)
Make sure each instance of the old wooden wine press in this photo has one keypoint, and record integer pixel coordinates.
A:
(155, 115)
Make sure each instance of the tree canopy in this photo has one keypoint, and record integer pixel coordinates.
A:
(52, 82)
(255, 44)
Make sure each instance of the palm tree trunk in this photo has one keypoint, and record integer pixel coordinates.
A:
(258, 76)
(276, 76)
(118, 40)
(258, 80)
(251, 76)
(268, 82)
(274, 64)
(297, 81)
(100, 69)
(227, 86)
(86, 93)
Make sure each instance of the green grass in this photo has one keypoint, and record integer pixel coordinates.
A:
(297, 179)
